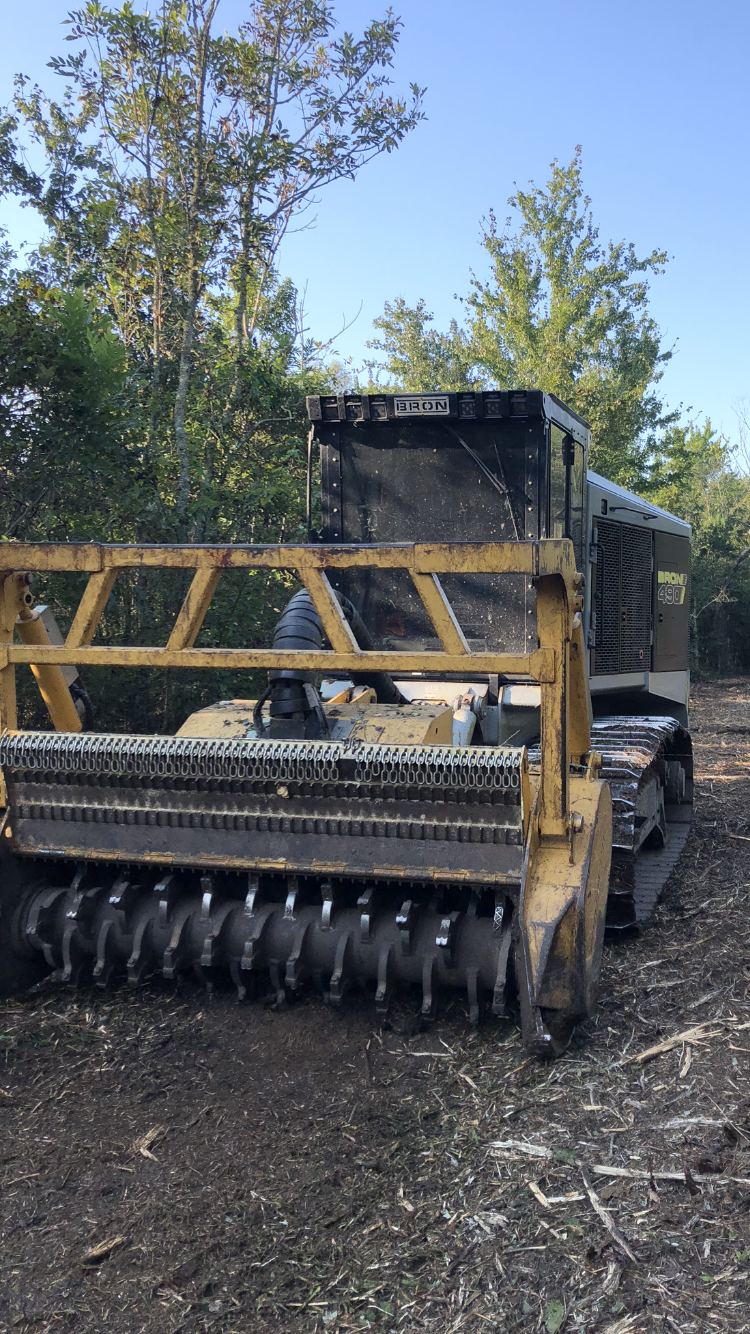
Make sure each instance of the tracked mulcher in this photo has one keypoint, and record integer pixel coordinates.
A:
(470, 758)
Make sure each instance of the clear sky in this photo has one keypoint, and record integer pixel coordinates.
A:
(656, 91)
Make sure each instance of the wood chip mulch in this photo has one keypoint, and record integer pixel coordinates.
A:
(173, 1163)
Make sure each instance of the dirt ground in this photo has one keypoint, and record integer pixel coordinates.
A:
(172, 1162)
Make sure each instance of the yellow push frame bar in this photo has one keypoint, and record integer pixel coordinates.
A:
(558, 664)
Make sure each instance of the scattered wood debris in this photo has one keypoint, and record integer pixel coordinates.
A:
(606, 1217)
(699, 1033)
(102, 1251)
(287, 1183)
(143, 1145)
(602, 1169)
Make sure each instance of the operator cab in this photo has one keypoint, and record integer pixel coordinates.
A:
(505, 466)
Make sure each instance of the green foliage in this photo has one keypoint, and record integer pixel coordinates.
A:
(65, 413)
(152, 366)
(560, 312)
(563, 313)
(421, 358)
(570, 316)
(176, 161)
(554, 1315)
(695, 476)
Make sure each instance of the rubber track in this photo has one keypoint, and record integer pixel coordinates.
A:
(653, 869)
(632, 750)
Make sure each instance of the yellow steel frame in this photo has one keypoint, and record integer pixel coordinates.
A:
(558, 663)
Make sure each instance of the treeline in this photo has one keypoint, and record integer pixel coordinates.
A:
(153, 367)
(562, 312)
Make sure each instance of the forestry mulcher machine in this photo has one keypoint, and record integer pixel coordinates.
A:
(471, 755)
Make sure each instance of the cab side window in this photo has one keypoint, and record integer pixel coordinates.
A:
(567, 493)
(577, 501)
(556, 484)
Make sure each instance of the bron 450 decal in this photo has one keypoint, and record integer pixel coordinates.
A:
(672, 587)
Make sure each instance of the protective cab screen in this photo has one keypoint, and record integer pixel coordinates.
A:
(421, 479)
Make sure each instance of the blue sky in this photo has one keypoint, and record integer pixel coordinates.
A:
(657, 94)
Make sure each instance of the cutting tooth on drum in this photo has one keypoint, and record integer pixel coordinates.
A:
(181, 926)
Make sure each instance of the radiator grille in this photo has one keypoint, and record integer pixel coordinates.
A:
(623, 599)
(607, 654)
(635, 599)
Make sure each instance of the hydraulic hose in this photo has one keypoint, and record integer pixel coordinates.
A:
(295, 705)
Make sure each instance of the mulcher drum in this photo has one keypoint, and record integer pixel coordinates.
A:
(298, 860)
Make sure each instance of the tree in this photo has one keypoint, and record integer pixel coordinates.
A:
(566, 314)
(695, 476)
(65, 411)
(152, 367)
(175, 172)
(560, 312)
(419, 358)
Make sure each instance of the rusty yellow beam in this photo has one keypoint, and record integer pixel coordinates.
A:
(580, 712)
(336, 627)
(193, 610)
(82, 557)
(14, 595)
(8, 706)
(554, 625)
(548, 556)
(440, 612)
(53, 687)
(540, 665)
(90, 607)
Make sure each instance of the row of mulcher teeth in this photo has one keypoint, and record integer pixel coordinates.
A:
(89, 932)
(454, 831)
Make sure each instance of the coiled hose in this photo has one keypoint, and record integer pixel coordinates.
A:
(296, 709)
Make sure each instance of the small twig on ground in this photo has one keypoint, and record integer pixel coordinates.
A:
(102, 1251)
(143, 1145)
(696, 1034)
(520, 1146)
(638, 1174)
(605, 1216)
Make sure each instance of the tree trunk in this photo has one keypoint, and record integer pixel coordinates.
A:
(201, 20)
(181, 396)
(240, 314)
(156, 364)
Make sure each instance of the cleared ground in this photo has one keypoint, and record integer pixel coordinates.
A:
(170, 1162)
